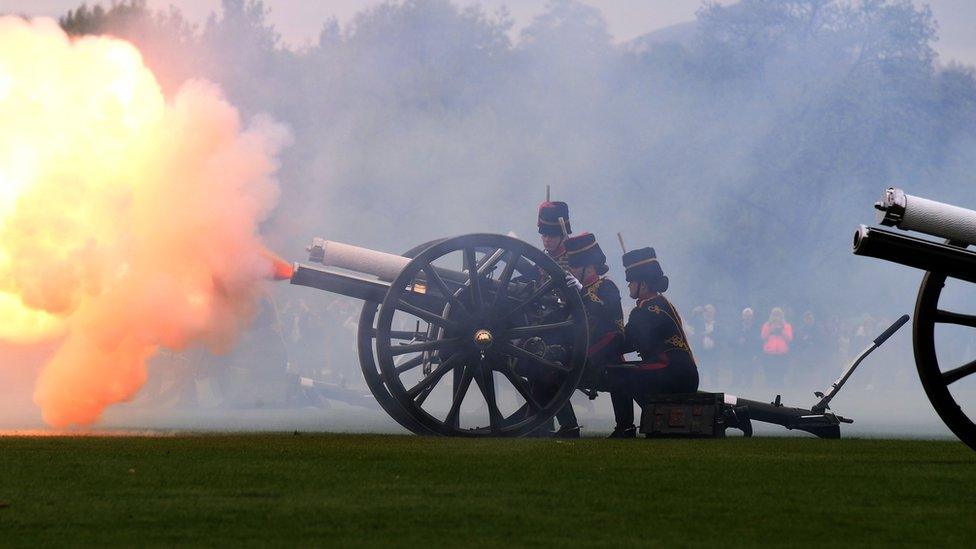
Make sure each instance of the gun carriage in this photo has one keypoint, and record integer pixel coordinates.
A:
(494, 312)
(942, 262)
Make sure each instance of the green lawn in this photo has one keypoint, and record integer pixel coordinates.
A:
(351, 490)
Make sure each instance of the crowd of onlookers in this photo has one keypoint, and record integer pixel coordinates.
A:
(783, 347)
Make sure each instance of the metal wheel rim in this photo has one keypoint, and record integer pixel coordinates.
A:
(930, 373)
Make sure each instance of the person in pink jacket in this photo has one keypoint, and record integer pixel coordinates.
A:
(776, 335)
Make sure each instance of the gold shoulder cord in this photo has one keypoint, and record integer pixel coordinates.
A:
(685, 346)
(591, 291)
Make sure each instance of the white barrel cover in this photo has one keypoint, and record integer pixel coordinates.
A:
(939, 219)
(363, 260)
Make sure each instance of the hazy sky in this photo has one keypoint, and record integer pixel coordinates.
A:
(299, 21)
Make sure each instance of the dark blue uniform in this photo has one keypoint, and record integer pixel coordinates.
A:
(667, 364)
(605, 320)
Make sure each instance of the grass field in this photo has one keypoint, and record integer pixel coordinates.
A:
(350, 490)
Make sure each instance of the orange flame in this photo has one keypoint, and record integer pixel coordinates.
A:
(119, 212)
(281, 269)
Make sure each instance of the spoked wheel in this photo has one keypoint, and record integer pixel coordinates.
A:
(366, 337)
(482, 318)
(935, 380)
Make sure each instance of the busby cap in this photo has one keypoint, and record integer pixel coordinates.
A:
(642, 265)
(584, 250)
(549, 214)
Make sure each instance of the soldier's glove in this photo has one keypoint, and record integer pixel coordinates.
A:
(573, 282)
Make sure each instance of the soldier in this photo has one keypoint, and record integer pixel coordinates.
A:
(553, 237)
(601, 300)
(554, 226)
(653, 330)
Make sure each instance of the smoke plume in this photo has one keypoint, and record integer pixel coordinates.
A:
(128, 221)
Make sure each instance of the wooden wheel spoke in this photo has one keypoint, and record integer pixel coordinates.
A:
(474, 277)
(435, 345)
(956, 374)
(521, 386)
(427, 384)
(431, 274)
(486, 383)
(501, 288)
(409, 365)
(429, 316)
(452, 415)
(948, 317)
(531, 331)
(422, 397)
(397, 334)
(490, 260)
(518, 352)
(543, 290)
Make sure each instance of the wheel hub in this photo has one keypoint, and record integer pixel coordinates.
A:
(483, 339)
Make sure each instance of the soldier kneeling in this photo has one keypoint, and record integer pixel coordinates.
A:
(653, 330)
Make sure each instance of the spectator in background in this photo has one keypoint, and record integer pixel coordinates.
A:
(777, 335)
(745, 349)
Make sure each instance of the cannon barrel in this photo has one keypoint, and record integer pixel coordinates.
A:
(914, 213)
(366, 274)
(354, 258)
(382, 265)
(915, 252)
(347, 284)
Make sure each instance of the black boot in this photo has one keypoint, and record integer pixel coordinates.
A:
(628, 431)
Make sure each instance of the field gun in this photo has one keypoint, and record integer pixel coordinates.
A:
(493, 311)
(465, 306)
(949, 259)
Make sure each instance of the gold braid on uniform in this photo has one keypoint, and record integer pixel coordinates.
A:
(681, 329)
(592, 289)
(679, 342)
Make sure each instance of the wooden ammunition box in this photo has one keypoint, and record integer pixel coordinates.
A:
(693, 415)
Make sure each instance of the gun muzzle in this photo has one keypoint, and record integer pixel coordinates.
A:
(915, 252)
